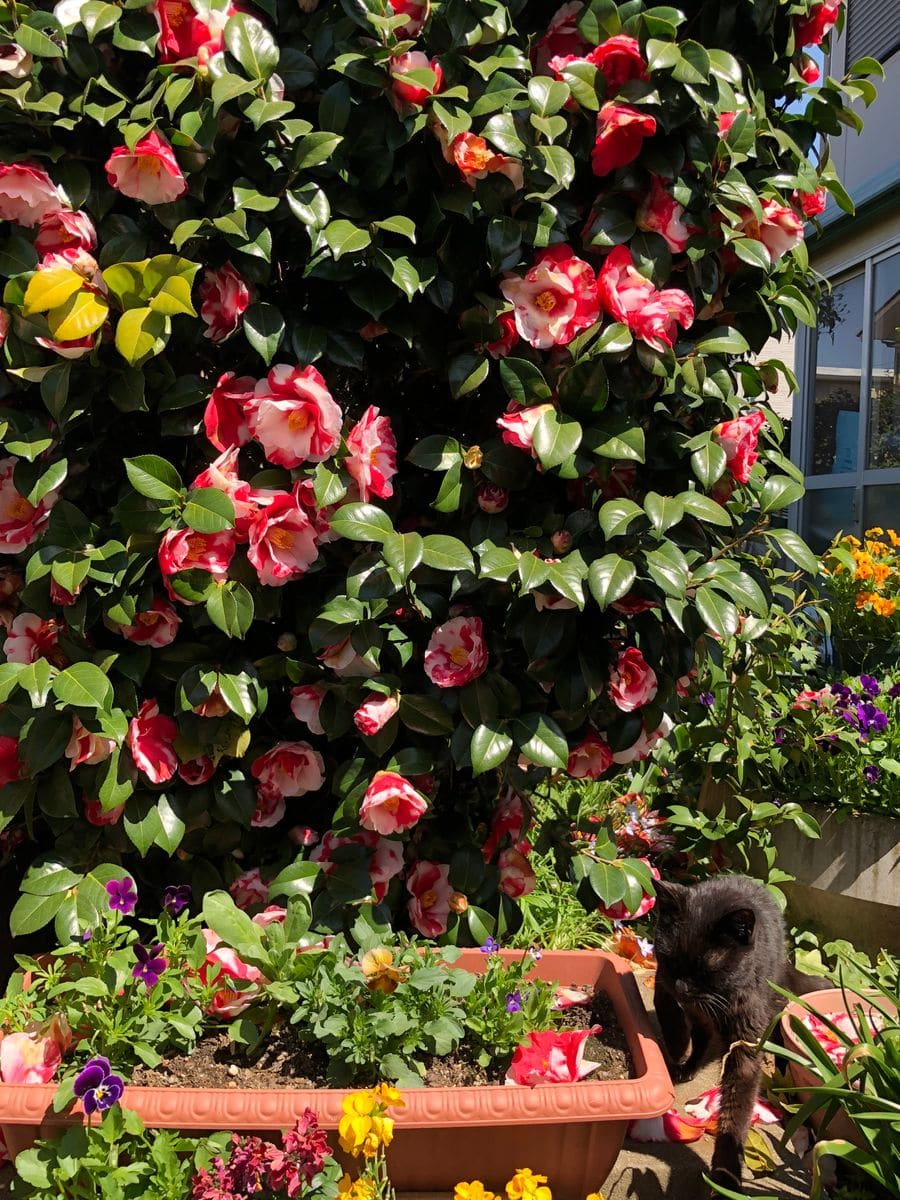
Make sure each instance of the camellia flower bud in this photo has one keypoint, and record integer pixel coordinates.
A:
(286, 643)
(562, 541)
(458, 903)
(473, 458)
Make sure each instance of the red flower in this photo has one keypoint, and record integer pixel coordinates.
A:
(517, 424)
(620, 911)
(780, 229)
(517, 878)
(492, 498)
(407, 90)
(222, 474)
(590, 758)
(21, 522)
(156, 627)
(293, 416)
(151, 740)
(507, 820)
(30, 638)
(27, 193)
(620, 134)
(633, 683)
(618, 59)
(552, 1057)
(809, 69)
(187, 550)
(622, 289)
(417, 13)
(224, 298)
(657, 322)
(11, 766)
(87, 747)
(222, 965)
(306, 701)
(197, 770)
(186, 31)
(476, 160)
(65, 230)
(373, 714)
(372, 458)
(429, 906)
(555, 300)
(225, 418)
(282, 541)
(96, 814)
(811, 203)
(562, 37)
(456, 653)
(812, 29)
(391, 804)
(148, 172)
(739, 439)
(289, 769)
(661, 213)
(726, 120)
(508, 339)
(249, 889)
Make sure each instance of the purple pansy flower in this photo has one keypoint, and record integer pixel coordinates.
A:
(97, 1087)
(778, 736)
(176, 898)
(491, 946)
(869, 685)
(707, 699)
(122, 896)
(894, 691)
(872, 773)
(514, 1002)
(150, 964)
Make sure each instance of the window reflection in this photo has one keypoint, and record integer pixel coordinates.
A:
(826, 512)
(838, 373)
(884, 381)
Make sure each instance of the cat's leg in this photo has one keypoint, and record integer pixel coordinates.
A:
(739, 1088)
(700, 1039)
(676, 1029)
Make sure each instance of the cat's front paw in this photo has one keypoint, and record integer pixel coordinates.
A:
(683, 1071)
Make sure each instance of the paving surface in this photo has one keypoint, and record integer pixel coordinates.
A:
(674, 1172)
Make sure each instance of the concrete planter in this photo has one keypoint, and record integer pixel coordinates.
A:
(572, 1133)
(847, 881)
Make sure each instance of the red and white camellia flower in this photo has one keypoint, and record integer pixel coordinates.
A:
(372, 457)
(618, 59)
(224, 298)
(590, 758)
(14, 61)
(20, 521)
(507, 820)
(269, 810)
(249, 889)
(620, 911)
(456, 652)
(739, 439)
(491, 498)
(222, 474)
(408, 90)
(517, 878)
(197, 770)
(391, 804)
(65, 230)
(508, 339)
(809, 69)
(657, 322)
(385, 864)
(562, 37)
(812, 29)
(222, 965)
(289, 769)
(476, 160)
(517, 425)
(29, 1058)
(373, 714)
(555, 300)
(282, 541)
(86, 747)
(812, 204)
(429, 887)
(633, 683)
(620, 135)
(77, 348)
(293, 416)
(30, 637)
(151, 740)
(343, 658)
(189, 30)
(27, 194)
(95, 814)
(700, 1118)
(416, 12)
(552, 1057)
(187, 550)
(157, 626)
(643, 747)
(661, 213)
(11, 766)
(225, 417)
(631, 298)
(306, 700)
(779, 231)
(148, 172)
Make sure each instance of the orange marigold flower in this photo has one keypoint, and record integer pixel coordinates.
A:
(884, 606)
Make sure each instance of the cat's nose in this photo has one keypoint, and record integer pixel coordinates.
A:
(681, 987)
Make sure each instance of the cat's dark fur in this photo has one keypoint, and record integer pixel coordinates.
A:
(718, 946)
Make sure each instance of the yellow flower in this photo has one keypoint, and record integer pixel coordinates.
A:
(473, 1191)
(360, 1103)
(865, 598)
(875, 531)
(353, 1134)
(379, 970)
(356, 1189)
(390, 1096)
(895, 540)
(594, 1196)
(525, 1185)
(883, 606)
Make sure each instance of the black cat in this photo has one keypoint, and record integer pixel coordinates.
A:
(718, 946)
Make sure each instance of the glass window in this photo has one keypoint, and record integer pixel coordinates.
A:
(884, 380)
(835, 437)
(827, 511)
(882, 506)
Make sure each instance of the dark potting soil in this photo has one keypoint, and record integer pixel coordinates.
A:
(286, 1062)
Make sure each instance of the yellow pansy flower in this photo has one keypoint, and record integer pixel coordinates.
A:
(472, 1191)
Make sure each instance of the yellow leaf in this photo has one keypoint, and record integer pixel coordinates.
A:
(81, 315)
(758, 1154)
(51, 288)
(174, 297)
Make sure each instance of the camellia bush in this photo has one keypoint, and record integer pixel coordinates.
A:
(380, 432)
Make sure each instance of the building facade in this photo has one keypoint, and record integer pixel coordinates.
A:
(846, 415)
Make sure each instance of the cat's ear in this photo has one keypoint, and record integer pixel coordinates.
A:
(739, 924)
(670, 897)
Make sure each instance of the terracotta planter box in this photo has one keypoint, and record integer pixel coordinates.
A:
(570, 1132)
(829, 1000)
